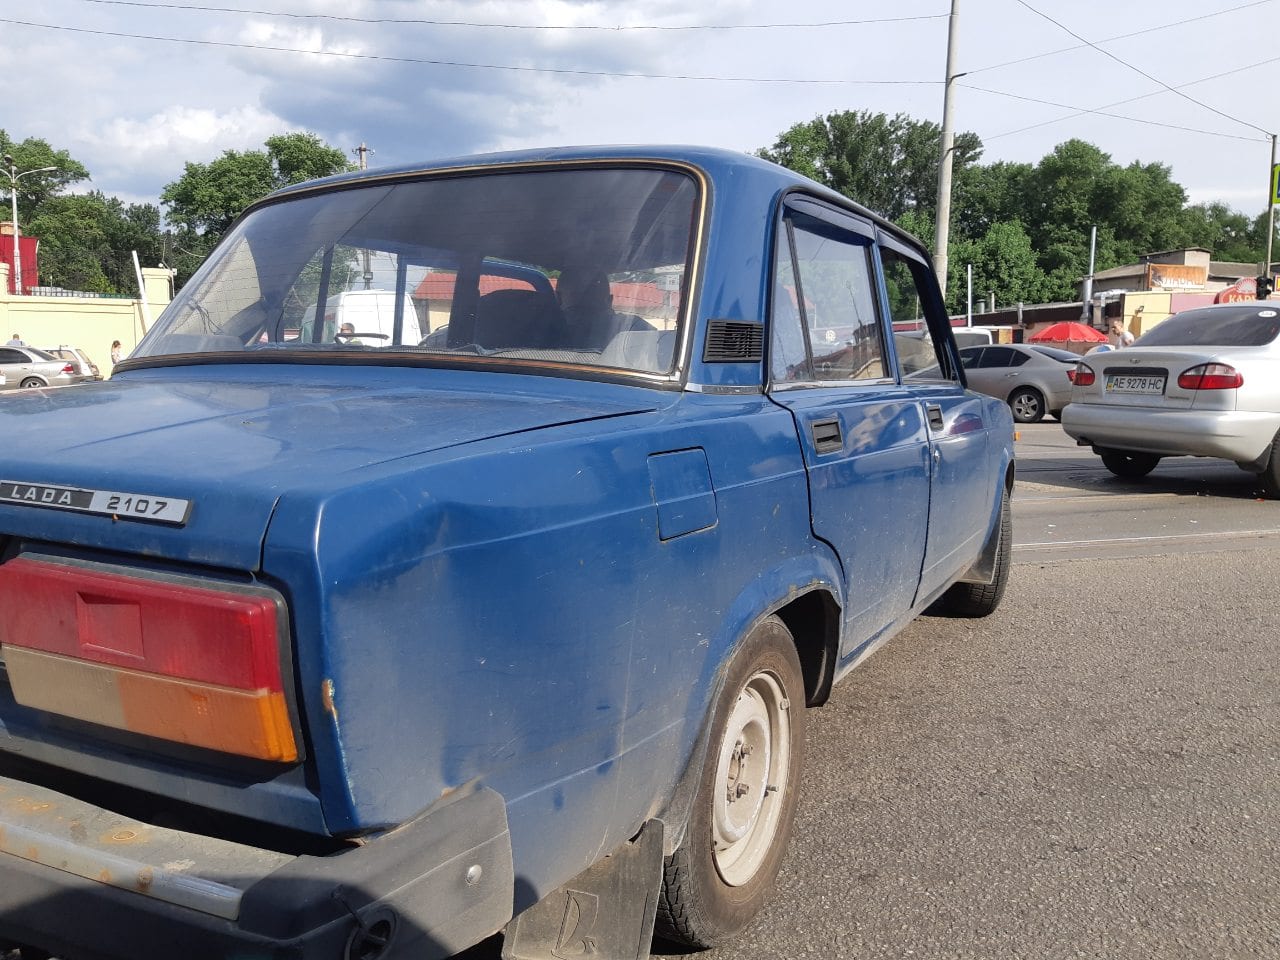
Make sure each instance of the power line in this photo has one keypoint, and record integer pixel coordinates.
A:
(1081, 111)
(1140, 71)
(1122, 36)
(512, 26)
(456, 63)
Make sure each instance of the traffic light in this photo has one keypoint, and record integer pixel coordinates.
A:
(1264, 287)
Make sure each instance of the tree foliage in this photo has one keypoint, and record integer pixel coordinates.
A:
(204, 202)
(889, 164)
(1024, 227)
(87, 241)
(35, 189)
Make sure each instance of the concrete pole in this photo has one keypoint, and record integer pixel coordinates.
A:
(1086, 315)
(363, 153)
(968, 297)
(17, 245)
(1271, 208)
(942, 228)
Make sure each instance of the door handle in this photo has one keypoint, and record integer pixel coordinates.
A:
(934, 412)
(827, 437)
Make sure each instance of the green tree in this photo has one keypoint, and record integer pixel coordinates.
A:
(203, 203)
(34, 190)
(208, 197)
(888, 164)
(1003, 262)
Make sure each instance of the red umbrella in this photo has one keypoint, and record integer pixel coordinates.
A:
(1068, 331)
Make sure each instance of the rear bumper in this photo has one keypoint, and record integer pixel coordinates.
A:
(1229, 434)
(81, 882)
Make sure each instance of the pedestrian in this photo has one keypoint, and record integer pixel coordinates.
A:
(115, 353)
(15, 341)
(1123, 337)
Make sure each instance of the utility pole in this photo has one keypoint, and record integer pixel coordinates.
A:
(942, 229)
(1086, 314)
(363, 153)
(1271, 208)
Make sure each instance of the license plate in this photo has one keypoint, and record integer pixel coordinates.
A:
(1130, 383)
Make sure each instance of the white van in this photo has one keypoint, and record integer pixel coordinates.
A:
(973, 336)
(372, 315)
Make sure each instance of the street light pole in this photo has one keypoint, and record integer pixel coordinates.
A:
(942, 225)
(14, 177)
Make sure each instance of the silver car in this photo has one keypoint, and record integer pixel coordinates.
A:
(29, 367)
(1032, 379)
(1204, 383)
(86, 369)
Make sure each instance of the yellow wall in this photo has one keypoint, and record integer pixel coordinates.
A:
(1154, 308)
(90, 323)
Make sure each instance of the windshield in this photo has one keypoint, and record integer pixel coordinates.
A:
(1243, 325)
(583, 266)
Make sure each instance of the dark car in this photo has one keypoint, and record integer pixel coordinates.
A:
(315, 647)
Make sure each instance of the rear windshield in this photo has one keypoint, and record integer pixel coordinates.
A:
(581, 266)
(1066, 356)
(1243, 325)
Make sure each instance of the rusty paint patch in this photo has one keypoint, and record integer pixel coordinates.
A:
(326, 699)
(146, 877)
(105, 877)
(78, 831)
(123, 835)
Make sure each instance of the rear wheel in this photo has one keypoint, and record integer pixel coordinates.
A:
(981, 599)
(30, 382)
(1269, 476)
(723, 872)
(1130, 466)
(1027, 405)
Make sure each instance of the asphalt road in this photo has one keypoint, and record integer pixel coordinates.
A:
(1091, 772)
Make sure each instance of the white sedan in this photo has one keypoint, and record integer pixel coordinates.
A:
(1204, 383)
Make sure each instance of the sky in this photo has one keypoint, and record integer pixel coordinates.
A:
(422, 79)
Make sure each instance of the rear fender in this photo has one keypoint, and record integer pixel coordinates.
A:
(762, 597)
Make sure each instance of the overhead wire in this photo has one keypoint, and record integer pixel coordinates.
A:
(155, 5)
(457, 63)
(1141, 72)
(1122, 36)
(1081, 111)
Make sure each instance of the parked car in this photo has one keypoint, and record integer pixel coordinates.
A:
(86, 369)
(1203, 383)
(974, 336)
(1032, 379)
(28, 367)
(331, 652)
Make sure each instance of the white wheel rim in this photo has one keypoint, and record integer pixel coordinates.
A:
(751, 779)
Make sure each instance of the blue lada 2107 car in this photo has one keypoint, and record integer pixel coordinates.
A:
(459, 553)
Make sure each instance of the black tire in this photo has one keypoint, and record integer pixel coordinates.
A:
(1027, 404)
(711, 887)
(30, 382)
(1269, 476)
(1128, 465)
(981, 599)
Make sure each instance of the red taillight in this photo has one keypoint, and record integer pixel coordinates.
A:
(1211, 376)
(69, 368)
(166, 658)
(1082, 375)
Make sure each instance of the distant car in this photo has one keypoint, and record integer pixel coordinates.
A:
(1204, 383)
(28, 367)
(1032, 379)
(86, 369)
(973, 336)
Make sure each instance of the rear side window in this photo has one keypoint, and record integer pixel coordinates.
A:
(1247, 325)
(826, 325)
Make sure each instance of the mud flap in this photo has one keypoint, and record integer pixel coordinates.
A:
(606, 912)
